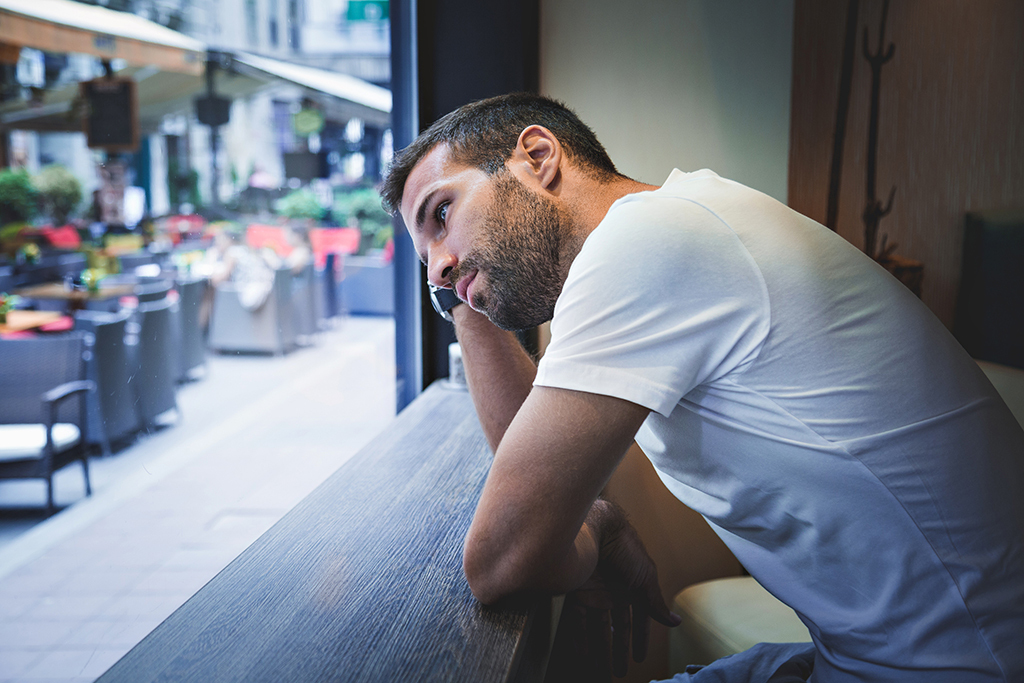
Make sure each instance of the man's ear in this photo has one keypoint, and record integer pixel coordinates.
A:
(539, 154)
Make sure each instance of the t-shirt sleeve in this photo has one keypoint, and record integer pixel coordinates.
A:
(662, 297)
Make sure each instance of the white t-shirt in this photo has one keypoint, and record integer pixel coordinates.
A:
(825, 423)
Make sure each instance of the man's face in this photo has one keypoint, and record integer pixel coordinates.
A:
(490, 238)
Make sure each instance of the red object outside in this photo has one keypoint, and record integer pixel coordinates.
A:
(273, 236)
(63, 324)
(178, 227)
(333, 241)
(64, 237)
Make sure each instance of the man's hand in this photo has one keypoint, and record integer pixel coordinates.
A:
(616, 603)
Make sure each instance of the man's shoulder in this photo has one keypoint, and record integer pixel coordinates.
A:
(659, 221)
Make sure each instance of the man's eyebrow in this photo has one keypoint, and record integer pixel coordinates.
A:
(421, 213)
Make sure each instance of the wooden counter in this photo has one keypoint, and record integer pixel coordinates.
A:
(57, 290)
(362, 580)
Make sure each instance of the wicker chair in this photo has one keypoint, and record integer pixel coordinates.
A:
(304, 304)
(113, 414)
(154, 290)
(157, 362)
(43, 420)
(192, 343)
(268, 329)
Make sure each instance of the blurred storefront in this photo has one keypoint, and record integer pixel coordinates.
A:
(288, 125)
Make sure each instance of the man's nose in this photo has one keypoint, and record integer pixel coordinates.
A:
(440, 263)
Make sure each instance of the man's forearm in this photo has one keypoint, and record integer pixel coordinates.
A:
(536, 526)
(560, 573)
(498, 370)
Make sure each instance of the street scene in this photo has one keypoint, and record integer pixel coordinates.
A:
(189, 224)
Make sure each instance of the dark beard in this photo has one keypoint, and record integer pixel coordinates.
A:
(521, 257)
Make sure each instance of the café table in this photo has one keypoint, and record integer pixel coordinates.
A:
(23, 321)
(75, 298)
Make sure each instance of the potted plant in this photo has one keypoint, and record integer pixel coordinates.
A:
(60, 193)
(368, 284)
(18, 196)
(7, 302)
(300, 205)
(29, 253)
(362, 207)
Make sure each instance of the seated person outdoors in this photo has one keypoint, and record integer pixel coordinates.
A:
(250, 269)
(300, 254)
(823, 421)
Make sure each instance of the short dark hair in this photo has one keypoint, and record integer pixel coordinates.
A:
(484, 134)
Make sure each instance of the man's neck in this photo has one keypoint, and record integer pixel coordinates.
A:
(589, 205)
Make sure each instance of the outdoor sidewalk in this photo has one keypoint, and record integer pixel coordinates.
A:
(256, 435)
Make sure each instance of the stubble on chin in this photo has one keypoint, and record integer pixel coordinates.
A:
(521, 259)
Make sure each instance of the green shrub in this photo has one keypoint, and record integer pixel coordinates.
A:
(363, 204)
(60, 192)
(17, 196)
(299, 204)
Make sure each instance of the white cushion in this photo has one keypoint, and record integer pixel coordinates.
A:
(23, 442)
(726, 616)
(1009, 382)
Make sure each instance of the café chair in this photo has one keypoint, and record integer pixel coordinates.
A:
(304, 304)
(155, 360)
(320, 285)
(45, 269)
(43, 416)
(113, 414)
(8, 280)
(130, 262)
(153, 291)
(268, 329)
(71, 264)
(192, 344)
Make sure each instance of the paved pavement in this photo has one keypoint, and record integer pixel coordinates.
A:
(256, 435)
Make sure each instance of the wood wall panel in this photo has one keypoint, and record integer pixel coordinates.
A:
(951, 126)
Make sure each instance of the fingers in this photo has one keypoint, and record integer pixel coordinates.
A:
(574, 623)
(599, 643)
(659, 611)
(620, 616)
(641, 632)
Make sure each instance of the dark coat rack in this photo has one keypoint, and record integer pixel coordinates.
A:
(874, 210)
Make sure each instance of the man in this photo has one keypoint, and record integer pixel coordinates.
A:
(828, 427)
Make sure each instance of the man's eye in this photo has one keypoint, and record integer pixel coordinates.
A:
(442, 213)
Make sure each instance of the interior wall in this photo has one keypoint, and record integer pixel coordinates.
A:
(685, 84)
(951, 124)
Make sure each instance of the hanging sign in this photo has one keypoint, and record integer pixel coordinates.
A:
(112, 113)
(212, 110)
(308, 121)
(367, 10)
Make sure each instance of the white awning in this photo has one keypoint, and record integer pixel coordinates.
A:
(66, 26)
(159, 92)
(367, 101)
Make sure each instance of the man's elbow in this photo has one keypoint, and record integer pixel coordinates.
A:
(489, 577)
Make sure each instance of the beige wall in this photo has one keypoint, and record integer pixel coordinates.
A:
(677, 83)
(950, 127)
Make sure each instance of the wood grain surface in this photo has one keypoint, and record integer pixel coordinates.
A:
(362, 581)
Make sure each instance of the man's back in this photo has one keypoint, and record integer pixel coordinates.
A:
(831, 430)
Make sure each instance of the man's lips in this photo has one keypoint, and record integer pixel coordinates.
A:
(462, 287)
